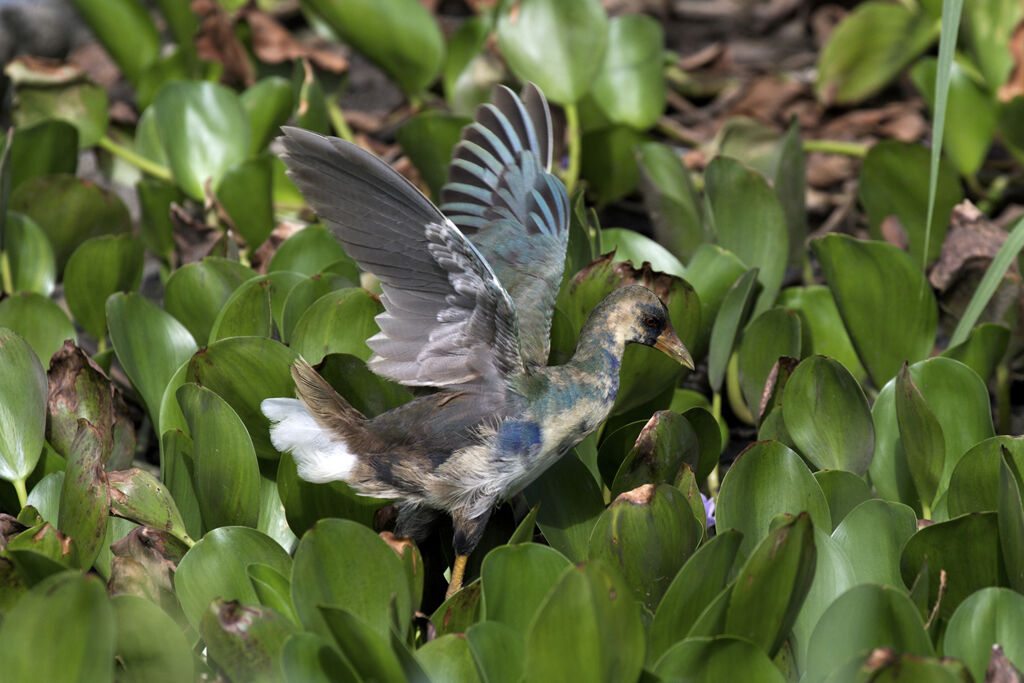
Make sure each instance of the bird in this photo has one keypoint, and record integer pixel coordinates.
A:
(468, 292)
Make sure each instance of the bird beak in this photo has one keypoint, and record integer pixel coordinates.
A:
(668, 342)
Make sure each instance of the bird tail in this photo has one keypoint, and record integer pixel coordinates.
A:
(314, 427)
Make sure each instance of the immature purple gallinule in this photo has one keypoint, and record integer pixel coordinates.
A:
(468, 297)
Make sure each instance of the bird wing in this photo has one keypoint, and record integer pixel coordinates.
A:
(448, 322)
(501, 195)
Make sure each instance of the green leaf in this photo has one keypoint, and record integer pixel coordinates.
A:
(84, 500)
(366, 650)
(244, 641)
(557, 44)
(989, 27)
(570, 503)
(670, 200)
(84, 633)
(32, 265)
(150, 645)
(470, 72)
(40, 320)
(789, 178)
(965, 548)
(244, 192)
(861, 619)
(70, 211)
(706, 660)
(176, 470)
(894, 182)
(630, 88)
(448, 657)
(833, 576)
(1011, 522)
(497, 650)
(367, 392)
(990, 616)
(516, 579)
(774, 333)
(631, 246)
(922, 438)
(886, 304)
(428, 139)
(23, 389)
(150, 345)
(821, 326)
(246, 313)
(204, 131)
(766, 480)
(663, 447)
(226, 473)
(843, 490)
(462, 610)
(827, 416)
(156, 230)
(342, 564)
(267, 104)
(870, 48)
(608, 162)
(646, 534)
(273, 589)
(309, 658)
(305, 503)
(139, 496)
(731, 318)
(47, 148)
(196, 292)
(753, 229)
(882, 526)
(983, 349)
(215, 567)
(309, 251)
(44, 94)
(98, 268)
(974, 484)
(712, 271)
(400, 36)
(588, 599)
(339, 322)
(45, 496)
(126, 31)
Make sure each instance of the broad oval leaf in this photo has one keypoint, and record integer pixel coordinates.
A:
(570, 503)
(268, 104)
(304, 294)
(712, 272)
(39, 320)
(448, 658)
(670, 200)
(973, 486)
(704, 660)
(990, 616)
(245, 641)
(98, 268)
(196, 292)
(23, 390)
(515, 579)
(246, 313)
(732, 316)
(46, 148)
(32, 264)
(141, 657)
(497, 650)
(428, 139)
(663, 447)
(630, 87)
(84, 499)
(310, 251)
(821, 326)
(773, 334)
(884, 528)
(843, 490)
(244, 192)
(630, 245)
(339, 322)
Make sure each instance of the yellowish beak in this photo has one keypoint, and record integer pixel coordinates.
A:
(668, 342)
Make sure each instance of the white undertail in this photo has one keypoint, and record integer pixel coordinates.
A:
(319, 457)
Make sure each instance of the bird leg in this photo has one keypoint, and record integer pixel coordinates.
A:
(468, 531)
(458, 569)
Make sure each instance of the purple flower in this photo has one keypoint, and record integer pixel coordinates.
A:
(709, 510)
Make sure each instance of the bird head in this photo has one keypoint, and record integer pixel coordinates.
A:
(644, 319)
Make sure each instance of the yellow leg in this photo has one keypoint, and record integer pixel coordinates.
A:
(458, 569)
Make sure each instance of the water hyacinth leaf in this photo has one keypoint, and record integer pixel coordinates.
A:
(772, 585)
(308, 251)
(861, 619)
(400, 36)
(832, 577)
(225, 469)
(731, 318)
(267, 104)
(774, 333)
(894, 182)
(428, 139)
(98, 268)
(38, 553)
(365, 650)
(367, 392)
(664, 446)
(156, 230)
(670, 200)
(646, 535)
(570, 503)
(753, 229)
(45, 148)
(84, 635)
(766, 480)
(886, 305)
(126, 31)
(497, 650)
(516, 579)
(45, 496)
(273, 519)
(305, 503)
(704, 660)
(203, 129)
(339, 322)
(141, 657)
(150, 345)
(462, 610)
(843, 490)
(589, 599)
(922, 438)
(246, 313)
(969, 113)
(244, 192)
(48, 94)
(448, 657)
(709, 439)
(615, 447)
(342, 564)
(309, 658)
(965, 548)
(39, 320)
(608, 162)
(470, 72)
(139, 496)
(701, 507)
(630, 88)
(821, 326)
(70, 211)
(176, 472)
(196, 292)
(789, 178)
(712, 272)
(215, 567)
(631, 246)
(991, 616)
(245, 641)
(882, 526)
(273, 589)
(1011, 522)
(869, 48)
(32, 264)
(983, 349)
(827, 416)
(84, 498)
(541, 33)
(749, 141)
(973, 486)
(23, 389)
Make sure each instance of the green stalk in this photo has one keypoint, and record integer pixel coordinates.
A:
(19, 486)
(1003, 398)
(137, 160)
(735, 394)
(338, 122)
(572, 120)
(5, 272)
(850, 149)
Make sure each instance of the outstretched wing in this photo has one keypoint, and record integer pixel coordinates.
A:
(502, 196)
(447, 322)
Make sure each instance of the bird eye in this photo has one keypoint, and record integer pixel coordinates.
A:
(651, 322)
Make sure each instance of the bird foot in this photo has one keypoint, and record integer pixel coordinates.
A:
(458, 570)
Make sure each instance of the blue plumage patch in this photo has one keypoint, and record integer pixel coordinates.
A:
(518, 437)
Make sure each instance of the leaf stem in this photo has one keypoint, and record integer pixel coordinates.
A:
(850, 149)
(5, 272)
(152, 168)
(338, 122)
(19, 486)
(572, 120)
(734, 393)
(101, 344)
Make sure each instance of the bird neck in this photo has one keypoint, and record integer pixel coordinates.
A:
(600, 346)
